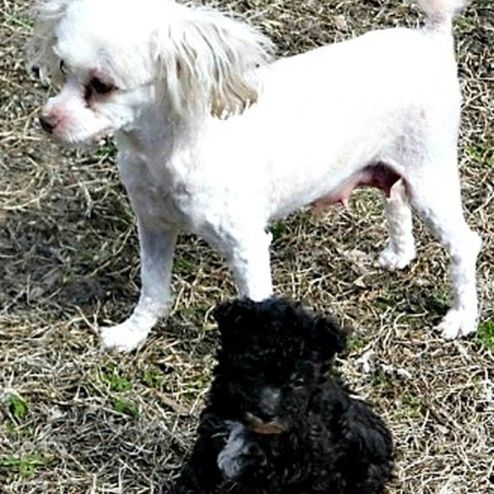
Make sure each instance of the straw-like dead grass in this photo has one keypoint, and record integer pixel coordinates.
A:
(74, 419)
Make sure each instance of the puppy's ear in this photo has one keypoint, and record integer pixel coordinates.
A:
(233, 318)
(330, 337)
(206, 62)
(41, 59)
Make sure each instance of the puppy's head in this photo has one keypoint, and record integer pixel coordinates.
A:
(115, 61)
(272, 358)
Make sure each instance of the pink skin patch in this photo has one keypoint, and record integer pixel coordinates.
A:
(379, 176)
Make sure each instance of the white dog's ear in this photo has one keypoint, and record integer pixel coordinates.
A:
(39, 50)
(206, 62)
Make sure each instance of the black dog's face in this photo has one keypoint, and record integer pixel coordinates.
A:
(272, 357)
(266, 387)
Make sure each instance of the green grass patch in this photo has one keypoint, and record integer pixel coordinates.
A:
(126, 407)
(25, 466)
(17, 407)
(153, 378)
(464, 23)
(438, 304)
(357, 343)
(20, 431)
(184, 267)
(116, 381)
(411, 405)
(486, 335)
(481, 154)
(383, 383)
(384, 302)
(278, 230)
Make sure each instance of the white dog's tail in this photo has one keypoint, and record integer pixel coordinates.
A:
(441, 12)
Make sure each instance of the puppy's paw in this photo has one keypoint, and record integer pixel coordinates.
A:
(123, 337)
(392, 259)
(457, 323)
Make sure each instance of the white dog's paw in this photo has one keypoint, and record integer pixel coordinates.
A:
(123, 337)
(457, 323)
(391, 259)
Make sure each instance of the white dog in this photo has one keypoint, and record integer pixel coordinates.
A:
(214, 139)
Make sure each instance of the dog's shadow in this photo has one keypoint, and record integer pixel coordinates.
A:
(62, 260)
(78, 253)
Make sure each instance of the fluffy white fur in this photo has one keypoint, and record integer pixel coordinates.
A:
(215, 140)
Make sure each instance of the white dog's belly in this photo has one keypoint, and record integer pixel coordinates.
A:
(379, 176)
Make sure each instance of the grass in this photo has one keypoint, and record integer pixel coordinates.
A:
(115, 381)
(17, 407)
(23, 466)
(77, 420)
(411, 406)
(486, 335)
(126, 407)
(482, 154)
(154, 378)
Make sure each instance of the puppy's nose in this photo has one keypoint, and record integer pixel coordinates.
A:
(47, 123)
(266, 416)
(269, 403)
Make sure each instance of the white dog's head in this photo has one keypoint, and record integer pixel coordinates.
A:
(116, 59)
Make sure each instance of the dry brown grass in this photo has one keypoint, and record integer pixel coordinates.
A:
(75, 419)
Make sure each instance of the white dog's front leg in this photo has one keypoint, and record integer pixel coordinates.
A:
(156, 252)
(251, 266)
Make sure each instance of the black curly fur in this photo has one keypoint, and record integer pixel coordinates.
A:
(314, 437)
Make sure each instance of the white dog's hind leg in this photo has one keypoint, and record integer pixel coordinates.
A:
(156, 252)
(400, 250)
(436, 195)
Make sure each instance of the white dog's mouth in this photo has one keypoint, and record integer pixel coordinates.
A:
(76, 140)
(255, 424)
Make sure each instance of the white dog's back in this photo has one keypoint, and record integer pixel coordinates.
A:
(323, 115)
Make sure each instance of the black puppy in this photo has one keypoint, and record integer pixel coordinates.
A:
(277, 421)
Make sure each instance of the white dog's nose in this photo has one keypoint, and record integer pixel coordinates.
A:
(47, 123)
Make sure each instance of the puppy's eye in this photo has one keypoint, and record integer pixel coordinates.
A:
(101, 87)
(298, 380)
(63, 67)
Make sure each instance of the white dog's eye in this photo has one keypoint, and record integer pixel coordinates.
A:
(63, 67)
(101, 87)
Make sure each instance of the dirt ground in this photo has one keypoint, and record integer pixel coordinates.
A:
(77, 419)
